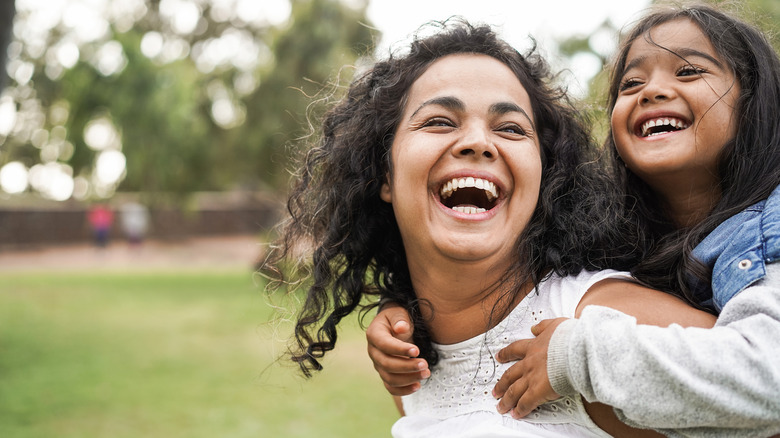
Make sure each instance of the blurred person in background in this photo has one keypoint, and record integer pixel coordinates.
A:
(100, 219)
(134, 218)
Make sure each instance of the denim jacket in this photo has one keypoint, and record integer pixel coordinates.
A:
(738, 251)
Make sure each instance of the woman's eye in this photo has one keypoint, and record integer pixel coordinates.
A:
(512, 128)
(437, 121)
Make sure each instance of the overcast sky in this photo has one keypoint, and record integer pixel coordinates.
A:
(546, 20)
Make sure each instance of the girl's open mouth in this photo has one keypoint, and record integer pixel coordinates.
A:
(661, 125)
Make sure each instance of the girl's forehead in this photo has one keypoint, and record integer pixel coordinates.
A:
(679, 39)
(676, 35)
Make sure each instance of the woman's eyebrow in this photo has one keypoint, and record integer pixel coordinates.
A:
(448, 102)
(455, 104)
(510, 107)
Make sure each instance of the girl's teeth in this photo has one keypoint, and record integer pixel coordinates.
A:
(674, 123)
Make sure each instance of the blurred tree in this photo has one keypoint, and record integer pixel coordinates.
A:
(322, 37)
(172, 96)
(7, 11)
(166, 135)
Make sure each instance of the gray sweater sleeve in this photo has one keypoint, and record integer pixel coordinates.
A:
(723, 381)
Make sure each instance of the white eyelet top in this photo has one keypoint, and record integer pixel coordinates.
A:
(457, 400)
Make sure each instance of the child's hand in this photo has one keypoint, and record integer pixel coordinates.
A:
(525, 385)
(389, 339)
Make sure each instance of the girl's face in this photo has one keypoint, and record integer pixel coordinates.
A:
(466, 163)
(675, 108)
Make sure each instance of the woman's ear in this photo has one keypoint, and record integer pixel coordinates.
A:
(386, 193)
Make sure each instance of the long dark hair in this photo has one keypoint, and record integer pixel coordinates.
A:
(357, 252)
(748, 166)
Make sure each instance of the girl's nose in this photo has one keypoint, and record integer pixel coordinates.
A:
(656, 91)
(475, 143)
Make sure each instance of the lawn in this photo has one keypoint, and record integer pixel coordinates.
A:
(169, 355)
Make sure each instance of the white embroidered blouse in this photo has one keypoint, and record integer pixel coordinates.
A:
(457, 401)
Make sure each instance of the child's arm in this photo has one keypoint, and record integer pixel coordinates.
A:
(530, 376)
(669, 378)
(648, 306)
(389, 339)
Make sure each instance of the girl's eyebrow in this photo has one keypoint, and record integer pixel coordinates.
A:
(688, 53)
(684, 53)
(455, 104)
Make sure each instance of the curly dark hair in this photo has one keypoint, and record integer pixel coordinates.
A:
(357, 252)
(748, 166)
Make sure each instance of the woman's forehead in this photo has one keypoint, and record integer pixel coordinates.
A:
(469, 75)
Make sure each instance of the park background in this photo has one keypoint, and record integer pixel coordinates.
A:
(194, 109)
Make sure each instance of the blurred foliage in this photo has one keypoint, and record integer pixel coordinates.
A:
(323, 38)
(186, 125)
(183, 125)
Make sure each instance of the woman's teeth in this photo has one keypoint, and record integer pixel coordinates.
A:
(459, 183)
(469, 210)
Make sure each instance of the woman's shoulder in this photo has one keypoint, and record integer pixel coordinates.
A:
(584, 279)
(562, 294)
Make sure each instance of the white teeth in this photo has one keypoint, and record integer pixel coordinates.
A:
(469, 210)
(674, 123)
(459, 183)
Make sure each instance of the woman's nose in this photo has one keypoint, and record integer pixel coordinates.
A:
(476, 143)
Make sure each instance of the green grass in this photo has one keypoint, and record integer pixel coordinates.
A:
(169, 355)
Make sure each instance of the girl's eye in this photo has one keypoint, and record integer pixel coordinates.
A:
(628, 83)
(690, 70)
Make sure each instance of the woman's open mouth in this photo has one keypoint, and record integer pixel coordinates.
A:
(469, 195)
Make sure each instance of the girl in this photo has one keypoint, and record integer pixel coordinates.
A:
(457, 164)
(694, 108)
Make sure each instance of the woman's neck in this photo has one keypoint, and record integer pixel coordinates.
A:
(463, 301)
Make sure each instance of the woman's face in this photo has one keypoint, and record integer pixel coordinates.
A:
(675, 108)
(466, 163)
